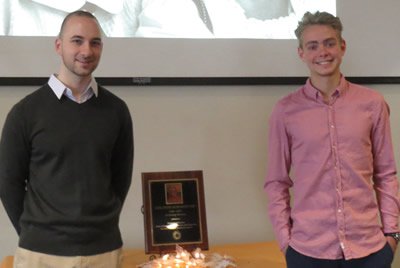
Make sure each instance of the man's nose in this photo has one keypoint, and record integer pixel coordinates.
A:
(86, 49)
(323, 50)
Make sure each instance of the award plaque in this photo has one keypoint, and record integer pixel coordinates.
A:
(174, 211)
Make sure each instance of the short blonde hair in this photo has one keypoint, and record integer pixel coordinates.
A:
(318, 18)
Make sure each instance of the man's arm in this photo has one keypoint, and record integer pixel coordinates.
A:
(122, 160)
(385, 179)
(14, 166)
(278, 182)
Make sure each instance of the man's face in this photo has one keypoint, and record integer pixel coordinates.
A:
(322, 50)
(80, 47)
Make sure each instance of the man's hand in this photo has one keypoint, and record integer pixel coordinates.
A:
(392, 242)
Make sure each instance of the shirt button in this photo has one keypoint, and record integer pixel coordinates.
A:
(339, 210)
(342, 245)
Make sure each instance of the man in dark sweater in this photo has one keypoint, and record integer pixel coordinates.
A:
(66, 157)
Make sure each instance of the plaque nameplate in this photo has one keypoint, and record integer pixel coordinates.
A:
(174, 211)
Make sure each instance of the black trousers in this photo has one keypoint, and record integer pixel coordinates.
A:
(380, 259)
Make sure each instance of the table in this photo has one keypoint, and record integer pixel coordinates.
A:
(246, 255)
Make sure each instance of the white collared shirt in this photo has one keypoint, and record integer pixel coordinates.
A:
(60, 89)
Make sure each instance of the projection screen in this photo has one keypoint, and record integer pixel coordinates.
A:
(170, 38)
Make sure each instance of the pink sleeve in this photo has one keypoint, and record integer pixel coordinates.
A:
(277, 181)
(385, 179)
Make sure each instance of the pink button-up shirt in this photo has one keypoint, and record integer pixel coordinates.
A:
(338, 159)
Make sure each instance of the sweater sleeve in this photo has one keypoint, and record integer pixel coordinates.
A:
(122, 159)
(14, 165)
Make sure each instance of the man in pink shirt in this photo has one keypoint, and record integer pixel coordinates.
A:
(330, 142)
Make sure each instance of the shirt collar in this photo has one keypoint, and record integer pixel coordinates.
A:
(314, 93)
(59, 88)
(112, 7)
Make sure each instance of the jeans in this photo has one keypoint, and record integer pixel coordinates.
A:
(380, 259)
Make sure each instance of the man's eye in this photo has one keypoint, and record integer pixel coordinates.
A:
(96, 43)
(77, 41)
(312, 47)
(331, 44)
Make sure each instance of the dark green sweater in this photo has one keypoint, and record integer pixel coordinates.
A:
(65, 170)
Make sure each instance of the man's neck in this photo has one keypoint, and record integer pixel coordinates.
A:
(77, 85)
(326, 84)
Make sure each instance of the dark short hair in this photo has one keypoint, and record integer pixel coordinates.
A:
(318, 18)
(77, 13)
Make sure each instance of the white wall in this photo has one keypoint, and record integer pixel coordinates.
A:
(221, 130)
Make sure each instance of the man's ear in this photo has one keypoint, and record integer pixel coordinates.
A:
(57, 45)
(343, 45)
(300, 52)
